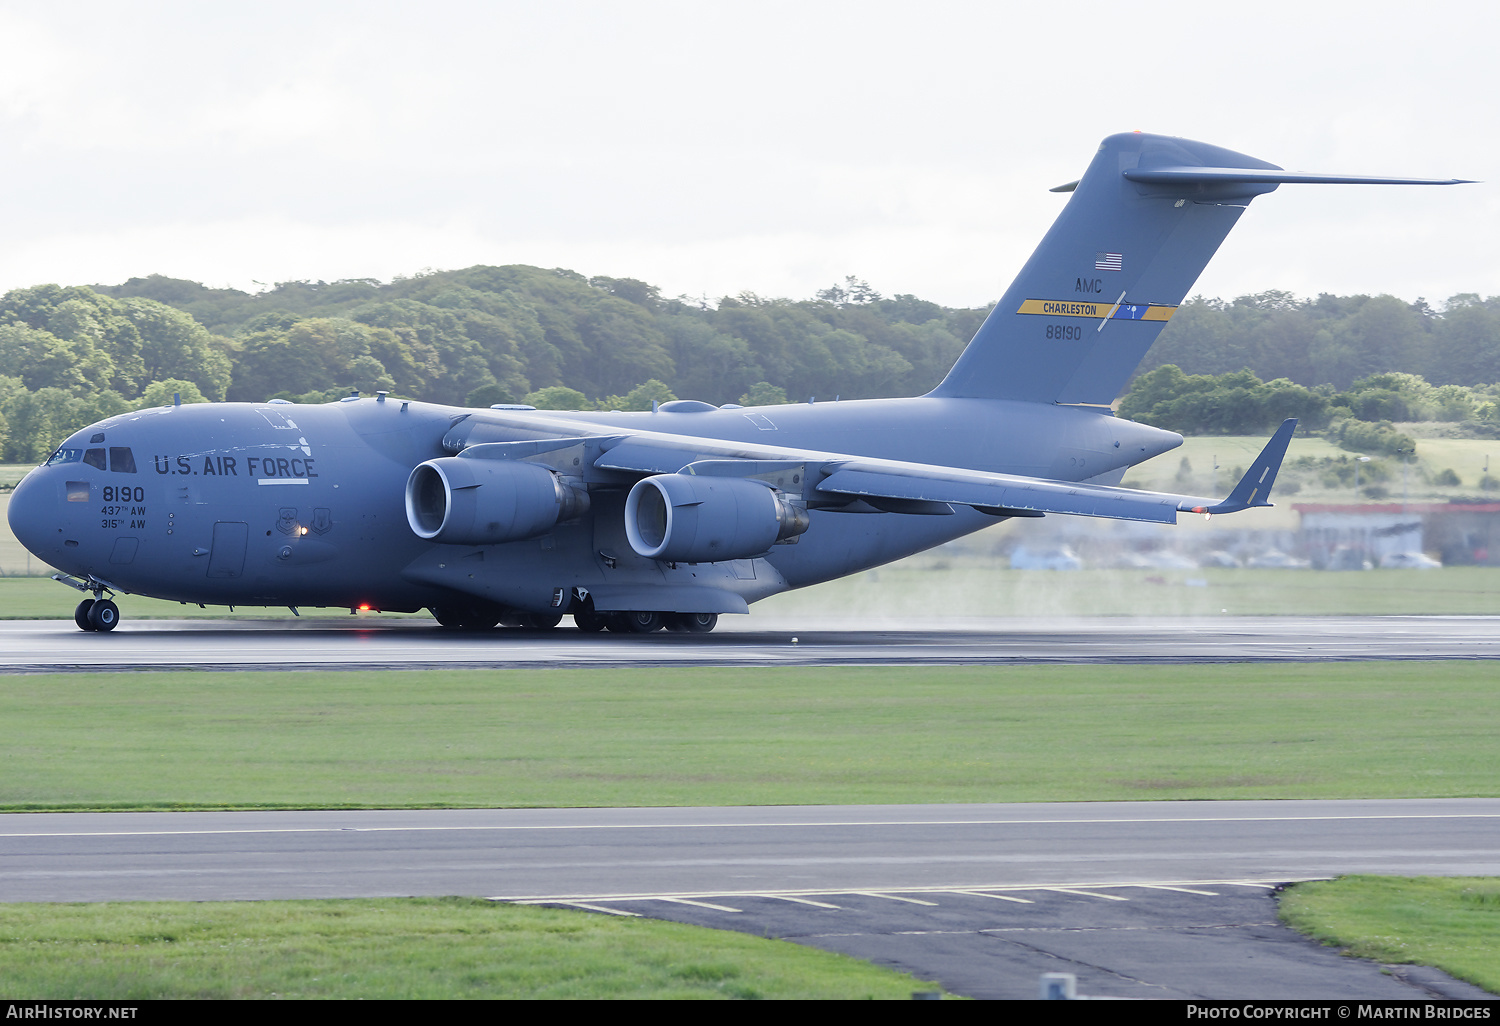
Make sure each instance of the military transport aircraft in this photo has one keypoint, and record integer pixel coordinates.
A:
(636, 521)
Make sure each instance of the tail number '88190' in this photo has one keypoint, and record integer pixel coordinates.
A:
(1067, 332)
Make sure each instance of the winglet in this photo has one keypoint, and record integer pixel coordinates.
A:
(1254, 488)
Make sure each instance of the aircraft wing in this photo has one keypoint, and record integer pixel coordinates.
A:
(1010, 495)
(831, 479)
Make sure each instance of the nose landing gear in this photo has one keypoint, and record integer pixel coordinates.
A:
(93, 614)
(96, 615)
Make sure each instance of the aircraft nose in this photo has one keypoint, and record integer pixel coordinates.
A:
(32, 518)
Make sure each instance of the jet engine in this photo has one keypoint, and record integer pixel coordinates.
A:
(459, 501)
(691, 519)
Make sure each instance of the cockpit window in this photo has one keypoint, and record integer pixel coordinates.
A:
(121, 459)
(94, 458)
(65, 456)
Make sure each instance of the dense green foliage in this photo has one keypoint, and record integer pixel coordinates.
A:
(69, 356)
(1335, 339)
(1358, 419)
(516, 331)
(559, 340)
(1237, 403)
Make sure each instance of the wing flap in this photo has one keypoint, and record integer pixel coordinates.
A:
(1022, 494)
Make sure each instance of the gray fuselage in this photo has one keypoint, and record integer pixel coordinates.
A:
(279, 504)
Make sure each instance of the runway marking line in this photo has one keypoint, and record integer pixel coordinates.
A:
(1184, 890)
(894, 893)
(701, 904)
(1087, 894)
(1000, 897)
(1067, 929)
(801, 901)
(893, 897)
(593, 908)
(724, 826)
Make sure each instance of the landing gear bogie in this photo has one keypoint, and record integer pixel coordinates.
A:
(639, 621)
(643, 621)
(692, 623)
(587, 620)
(466, 617)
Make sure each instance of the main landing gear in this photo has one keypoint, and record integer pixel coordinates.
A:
(643, 622)
(482, 616)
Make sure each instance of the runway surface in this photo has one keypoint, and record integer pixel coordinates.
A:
(372, 643)
(981, 896)
(535, 853)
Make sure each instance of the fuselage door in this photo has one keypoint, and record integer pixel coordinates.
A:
(227, 557)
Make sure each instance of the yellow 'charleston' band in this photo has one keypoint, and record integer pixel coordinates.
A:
(1096, 311)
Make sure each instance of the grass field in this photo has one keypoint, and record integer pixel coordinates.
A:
(658, 737)
(1449, 922)
(403, 949)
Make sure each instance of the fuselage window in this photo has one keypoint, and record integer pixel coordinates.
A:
(94, 458)
(121, 459)
(65, 456)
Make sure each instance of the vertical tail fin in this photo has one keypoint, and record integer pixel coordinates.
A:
(1141, 225)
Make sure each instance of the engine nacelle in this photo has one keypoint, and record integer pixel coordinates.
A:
(459, 501)
(691, 519)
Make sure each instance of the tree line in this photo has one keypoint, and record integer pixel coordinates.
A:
(554, 338)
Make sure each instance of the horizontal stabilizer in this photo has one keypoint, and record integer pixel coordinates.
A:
(1256, 176)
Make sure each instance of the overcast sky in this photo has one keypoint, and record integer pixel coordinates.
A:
(714, 147)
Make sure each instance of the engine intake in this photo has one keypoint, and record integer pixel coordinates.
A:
(691, 519)
(459, 501)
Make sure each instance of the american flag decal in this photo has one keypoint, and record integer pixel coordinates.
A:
(1108, 261)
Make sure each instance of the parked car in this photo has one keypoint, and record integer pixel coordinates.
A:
(1277, 560)
(1059, 557)
(1157, 559)
(1221, 560)
(1408, 561)
(1347, 558)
